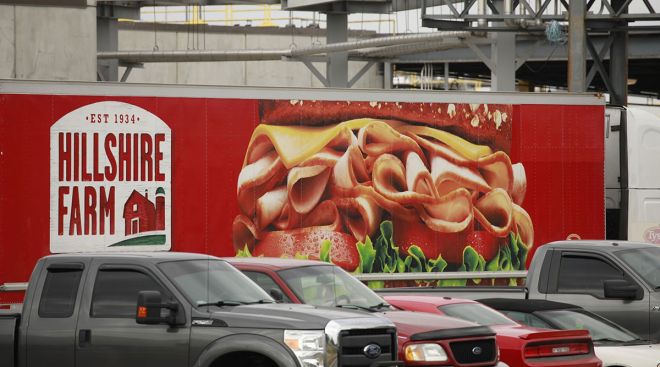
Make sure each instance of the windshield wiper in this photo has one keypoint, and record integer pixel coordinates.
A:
(221, 303)
(259, 301)
(356, 307)
(373, 308)
(380, 306)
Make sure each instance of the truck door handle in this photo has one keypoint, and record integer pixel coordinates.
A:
(84, 337)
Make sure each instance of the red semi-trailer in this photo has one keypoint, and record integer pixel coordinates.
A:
(372, 180)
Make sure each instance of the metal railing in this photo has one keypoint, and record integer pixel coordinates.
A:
(443, 275)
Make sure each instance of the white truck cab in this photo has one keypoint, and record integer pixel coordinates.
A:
(632, 179)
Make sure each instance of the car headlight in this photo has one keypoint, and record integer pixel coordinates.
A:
(307, 345)
(425, 353)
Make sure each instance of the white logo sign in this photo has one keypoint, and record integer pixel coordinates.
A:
(110, 180)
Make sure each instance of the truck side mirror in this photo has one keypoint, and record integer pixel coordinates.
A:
(148, 309)
(620, 289)
(276, 294)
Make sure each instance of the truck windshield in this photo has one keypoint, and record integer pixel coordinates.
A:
(645, 262)
(331, 286)
(476, 312)
(213, 281)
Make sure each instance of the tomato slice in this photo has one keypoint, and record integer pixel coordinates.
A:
(307, 242)
(432, 243)
(485, 243)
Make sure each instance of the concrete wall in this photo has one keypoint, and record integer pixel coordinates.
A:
(143, 37)
(59, 43)
(49, 43)
(7, 48)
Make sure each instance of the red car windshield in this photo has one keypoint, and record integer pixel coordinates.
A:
(477, 313)
(329, 286)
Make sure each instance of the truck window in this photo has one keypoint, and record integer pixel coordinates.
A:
(574, 279)
(58, 298)
(116, 291)
(266, 283)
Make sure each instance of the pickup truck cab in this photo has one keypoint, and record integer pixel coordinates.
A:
(424, 339)
(177, 309)
(618, 280)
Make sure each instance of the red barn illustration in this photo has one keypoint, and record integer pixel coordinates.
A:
(141, 215)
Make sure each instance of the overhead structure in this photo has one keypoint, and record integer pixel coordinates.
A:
(582, 18)
(504, 20)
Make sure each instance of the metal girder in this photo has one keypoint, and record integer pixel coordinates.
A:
(599, 66)
(468, 17)
(481, 55)
(535, 49)
(315, 71)
(601, 55)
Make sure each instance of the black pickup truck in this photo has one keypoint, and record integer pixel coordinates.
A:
(177, 309)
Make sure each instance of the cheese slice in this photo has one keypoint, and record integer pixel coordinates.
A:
(462, 146)
(294, 144)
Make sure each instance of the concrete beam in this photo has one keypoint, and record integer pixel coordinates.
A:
(337, 64)
(577, 46)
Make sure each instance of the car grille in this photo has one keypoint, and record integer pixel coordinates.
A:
(352, 344)
(474, 351)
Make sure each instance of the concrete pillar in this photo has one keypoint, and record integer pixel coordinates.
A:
(577, 47)
(388, 78)
(337, 64)
(619, 62)
(106, 40)
(503, 55)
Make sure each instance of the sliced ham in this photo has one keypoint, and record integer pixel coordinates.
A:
(350, 169)
(418, 177)
(288, 218)
(379, 138)
(519, 183)
(244, 233)
(344, 139)
(257, 178)
(523, 225)
(305, 186)
(270, 206)
(448, 176)
(450, 213)
(433, 147)
(326, 157)
(496, 170)
(390, 180)
(394, 208)
(324, 215)
(494, 211)
(257, 149)
(361, 215)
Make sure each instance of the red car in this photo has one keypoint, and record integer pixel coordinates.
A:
(519, 345)
(423, 339)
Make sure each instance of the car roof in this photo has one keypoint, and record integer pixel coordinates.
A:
(156, 256)
(274, 263)
(606, 246)
(526, 305)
